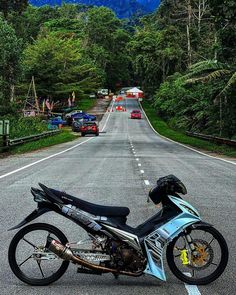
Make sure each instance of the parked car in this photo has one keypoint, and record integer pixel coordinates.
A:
(135, 114)
(89, 128)
(57, 121)
(77, 124)
(74, 112)
(85, 116)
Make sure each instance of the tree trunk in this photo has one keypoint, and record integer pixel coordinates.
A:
(12, 92)
(188, 33)
(189, 47)
(216, 49)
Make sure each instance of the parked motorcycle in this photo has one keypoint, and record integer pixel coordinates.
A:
(197, 253)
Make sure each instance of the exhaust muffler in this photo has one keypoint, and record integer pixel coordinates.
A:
(65, 253)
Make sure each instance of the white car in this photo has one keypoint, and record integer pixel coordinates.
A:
(72, 113)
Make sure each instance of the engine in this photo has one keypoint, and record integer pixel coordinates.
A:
(126, 258)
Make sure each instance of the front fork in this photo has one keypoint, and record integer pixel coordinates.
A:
(189, 242)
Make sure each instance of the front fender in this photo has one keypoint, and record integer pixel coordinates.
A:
(200, 224)
(33, 215)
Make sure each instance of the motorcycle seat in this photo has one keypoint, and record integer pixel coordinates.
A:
(98, 210)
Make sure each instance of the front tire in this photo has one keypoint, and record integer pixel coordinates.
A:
(201, 263)
(34, 273)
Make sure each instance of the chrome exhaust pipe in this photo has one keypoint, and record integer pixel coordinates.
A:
(65, 253)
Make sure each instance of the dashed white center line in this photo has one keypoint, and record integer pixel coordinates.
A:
(139, 165)
(142, 171)
(137, 159)
(146, 182)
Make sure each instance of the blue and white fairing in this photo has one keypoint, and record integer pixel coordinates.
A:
(159, 238)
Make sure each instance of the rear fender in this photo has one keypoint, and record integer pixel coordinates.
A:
(33, 215)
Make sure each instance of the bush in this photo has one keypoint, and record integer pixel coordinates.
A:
(20, 127)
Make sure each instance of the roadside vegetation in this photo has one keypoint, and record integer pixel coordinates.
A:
(164, 129)
(63, 136)
(183, 56)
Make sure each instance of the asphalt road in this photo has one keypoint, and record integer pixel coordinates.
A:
(105, 170)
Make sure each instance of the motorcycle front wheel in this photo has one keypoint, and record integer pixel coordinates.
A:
(29, 258)
(202, 265)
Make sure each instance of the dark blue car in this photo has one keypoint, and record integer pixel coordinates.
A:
(57, 121)
(85, 116)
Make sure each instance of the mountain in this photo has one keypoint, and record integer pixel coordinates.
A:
(123, 8)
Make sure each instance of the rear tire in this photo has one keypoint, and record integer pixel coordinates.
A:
(13, 251)
(82, 134)
(213, 276)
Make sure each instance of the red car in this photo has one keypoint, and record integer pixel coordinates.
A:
(89, 128)
(135, 114)
(119, 108)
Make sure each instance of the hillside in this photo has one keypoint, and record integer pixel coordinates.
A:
(123, 8)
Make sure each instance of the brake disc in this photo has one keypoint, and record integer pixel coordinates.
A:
(204, 256)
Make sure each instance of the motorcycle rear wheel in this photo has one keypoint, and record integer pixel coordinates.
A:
(206, 258)
(33, 271)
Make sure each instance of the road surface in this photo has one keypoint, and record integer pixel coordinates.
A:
(117, 168)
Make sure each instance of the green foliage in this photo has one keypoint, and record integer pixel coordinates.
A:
(164, 129)
(7, 6)
(59, 66)
(189, 101)
(62, 137)
(10, 55)
(21, 126)
(105, 42)
(157, 54)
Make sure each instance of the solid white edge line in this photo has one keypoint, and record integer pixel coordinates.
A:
(183, 145)
(54, 155)
(44, 159)
(146, 182)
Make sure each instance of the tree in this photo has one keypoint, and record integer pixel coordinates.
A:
(10, 57)
(156, 54)
(7, 6)
(59, 67)
(224, 16)
(105, 42)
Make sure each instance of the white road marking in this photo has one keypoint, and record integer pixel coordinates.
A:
(107, 118)
(183, 145)
(44, 159)
(142, 171)
(137, 159)
(54, 155)
(146, 182)
(192, 289)
(139, 165)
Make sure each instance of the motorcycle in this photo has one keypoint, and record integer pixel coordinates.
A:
(39, 254)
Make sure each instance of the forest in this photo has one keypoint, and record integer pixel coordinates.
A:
(183, 56)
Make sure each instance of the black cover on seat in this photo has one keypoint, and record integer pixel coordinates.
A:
(98, 210)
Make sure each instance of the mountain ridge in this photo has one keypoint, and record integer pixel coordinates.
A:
(122, 8)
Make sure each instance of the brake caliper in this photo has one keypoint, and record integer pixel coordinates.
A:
(184, 257)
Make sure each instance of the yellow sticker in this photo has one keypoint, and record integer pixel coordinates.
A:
(184, 256)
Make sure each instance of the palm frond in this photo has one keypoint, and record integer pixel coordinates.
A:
(231, 83)
(212, 76)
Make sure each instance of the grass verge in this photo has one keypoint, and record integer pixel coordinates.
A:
(162, 127)
(62, 137)
(86, 104)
